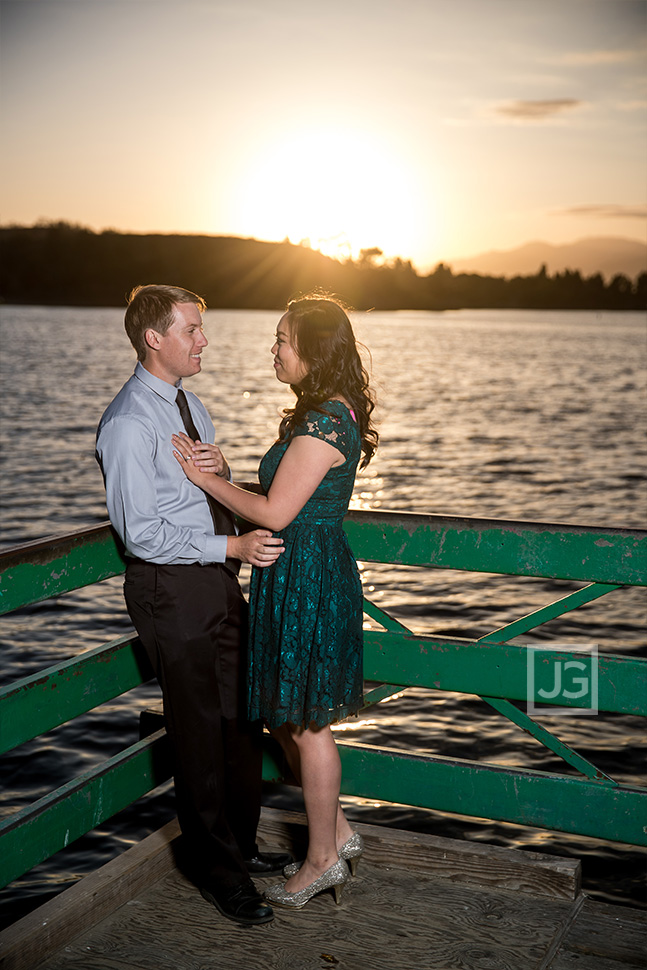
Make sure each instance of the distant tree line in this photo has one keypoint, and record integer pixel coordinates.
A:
(68, 265)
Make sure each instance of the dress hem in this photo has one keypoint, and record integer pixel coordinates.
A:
(339, 714)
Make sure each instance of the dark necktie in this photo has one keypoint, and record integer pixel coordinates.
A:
(223, 519)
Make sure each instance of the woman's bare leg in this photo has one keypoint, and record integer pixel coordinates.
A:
(320, 771)
(290, 748)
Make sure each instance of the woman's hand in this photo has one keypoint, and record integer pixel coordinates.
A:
(205, 457)
(301, 470)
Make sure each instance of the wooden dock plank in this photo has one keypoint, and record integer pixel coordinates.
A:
(418, 902)
(615, 934)
(576, 961)
(389, 918)
(90, 900)
(471, 863)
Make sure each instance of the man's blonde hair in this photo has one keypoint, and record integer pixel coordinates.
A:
(152, 307)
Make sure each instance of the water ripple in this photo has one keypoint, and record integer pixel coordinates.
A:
(509, 414)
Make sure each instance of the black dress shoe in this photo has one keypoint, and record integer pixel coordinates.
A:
(268, 863)
(244, 904)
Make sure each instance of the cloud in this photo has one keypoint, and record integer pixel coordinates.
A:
(606, 211)
(536, 110)
(631, 105)
(487, 113)
(594, 58)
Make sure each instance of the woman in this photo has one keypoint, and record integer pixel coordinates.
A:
(306, 610)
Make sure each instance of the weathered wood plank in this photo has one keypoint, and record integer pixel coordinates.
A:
(35, 937)
(48, 567)
(499, 546)
(418, 900)
(54, 565)
(617, 933)
(494, 669)
(389, 919)
(524, 796)
(37, 831)
(469, 863)
(575, 961)
(40, 702)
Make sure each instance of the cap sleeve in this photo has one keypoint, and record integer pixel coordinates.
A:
(332, 429)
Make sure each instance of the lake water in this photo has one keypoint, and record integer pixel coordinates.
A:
(509, 414)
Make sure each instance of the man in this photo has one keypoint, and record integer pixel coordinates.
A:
(183, 596)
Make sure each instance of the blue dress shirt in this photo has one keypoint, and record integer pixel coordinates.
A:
(159, 514)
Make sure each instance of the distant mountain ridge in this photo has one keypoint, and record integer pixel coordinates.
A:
(608, 255)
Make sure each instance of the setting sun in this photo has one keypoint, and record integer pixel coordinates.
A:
(432, 131)
(340, 191)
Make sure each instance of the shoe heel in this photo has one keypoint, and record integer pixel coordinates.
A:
(338, 891)
(352, 851)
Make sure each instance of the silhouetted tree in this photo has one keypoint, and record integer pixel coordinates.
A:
(59, 263)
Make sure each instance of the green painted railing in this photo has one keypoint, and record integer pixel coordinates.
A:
(583, 800)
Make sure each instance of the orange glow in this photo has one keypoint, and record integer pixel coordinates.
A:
(337, 190)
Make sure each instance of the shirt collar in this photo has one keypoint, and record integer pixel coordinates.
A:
(163, 388)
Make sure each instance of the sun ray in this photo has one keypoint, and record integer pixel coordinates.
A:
(337, 190)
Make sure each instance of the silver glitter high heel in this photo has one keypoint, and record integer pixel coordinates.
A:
(352, 851)
(335, 878)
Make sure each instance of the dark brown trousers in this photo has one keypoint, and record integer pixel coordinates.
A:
(192, 621)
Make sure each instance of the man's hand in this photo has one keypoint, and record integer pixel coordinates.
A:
(259, 548)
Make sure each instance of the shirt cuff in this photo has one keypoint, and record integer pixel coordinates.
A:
(215, 549)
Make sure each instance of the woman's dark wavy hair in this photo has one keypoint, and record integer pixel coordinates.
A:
(323, 338)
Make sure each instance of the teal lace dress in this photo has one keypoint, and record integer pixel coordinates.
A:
(305, 646)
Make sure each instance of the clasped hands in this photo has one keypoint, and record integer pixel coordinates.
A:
(199, 462)
(200, 457)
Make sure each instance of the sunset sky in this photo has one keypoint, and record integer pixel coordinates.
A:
(433, 129)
